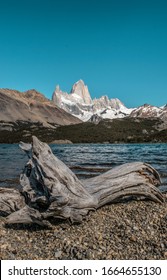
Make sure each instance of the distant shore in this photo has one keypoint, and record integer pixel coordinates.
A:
(114, 131)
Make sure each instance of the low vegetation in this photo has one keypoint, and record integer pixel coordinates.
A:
(127, 130)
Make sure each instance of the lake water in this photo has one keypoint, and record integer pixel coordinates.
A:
(86, 160)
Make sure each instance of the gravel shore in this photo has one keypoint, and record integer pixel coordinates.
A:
(131, 230)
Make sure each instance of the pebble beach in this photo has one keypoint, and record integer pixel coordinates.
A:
(131, 230)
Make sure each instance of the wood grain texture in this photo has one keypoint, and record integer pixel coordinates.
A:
(51, 189)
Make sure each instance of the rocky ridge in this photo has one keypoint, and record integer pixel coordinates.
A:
(147, 111)
(80, 104)
(31, 106)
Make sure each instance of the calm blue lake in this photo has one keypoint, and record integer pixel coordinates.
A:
(86, 160)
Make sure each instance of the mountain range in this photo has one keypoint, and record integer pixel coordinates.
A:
(75, 116)
(80, 104)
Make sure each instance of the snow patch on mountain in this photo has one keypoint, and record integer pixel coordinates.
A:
(80, 104)
(146, 111)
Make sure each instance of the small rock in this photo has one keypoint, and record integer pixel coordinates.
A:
(162, 245)
(58, 254)
(133, 238)
(14, 252)
(165, 255)
(135, 228)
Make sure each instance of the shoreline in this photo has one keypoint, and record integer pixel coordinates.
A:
(131, 230)
(68, 142)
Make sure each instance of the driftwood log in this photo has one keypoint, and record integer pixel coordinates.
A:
(50, 189)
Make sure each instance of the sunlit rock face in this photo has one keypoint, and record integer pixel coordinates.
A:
(80, 104)
(31, 106)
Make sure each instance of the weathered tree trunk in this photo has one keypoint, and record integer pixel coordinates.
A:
(10, 201)
(51, 189)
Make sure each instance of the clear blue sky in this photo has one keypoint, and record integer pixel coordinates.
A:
(118, 47)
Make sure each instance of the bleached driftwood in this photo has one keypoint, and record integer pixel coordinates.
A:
(51, 189)
(10, 201)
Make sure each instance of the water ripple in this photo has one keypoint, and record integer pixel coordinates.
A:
(88, 160)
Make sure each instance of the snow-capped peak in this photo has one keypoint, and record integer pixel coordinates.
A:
(146, 110)
(80, 104)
